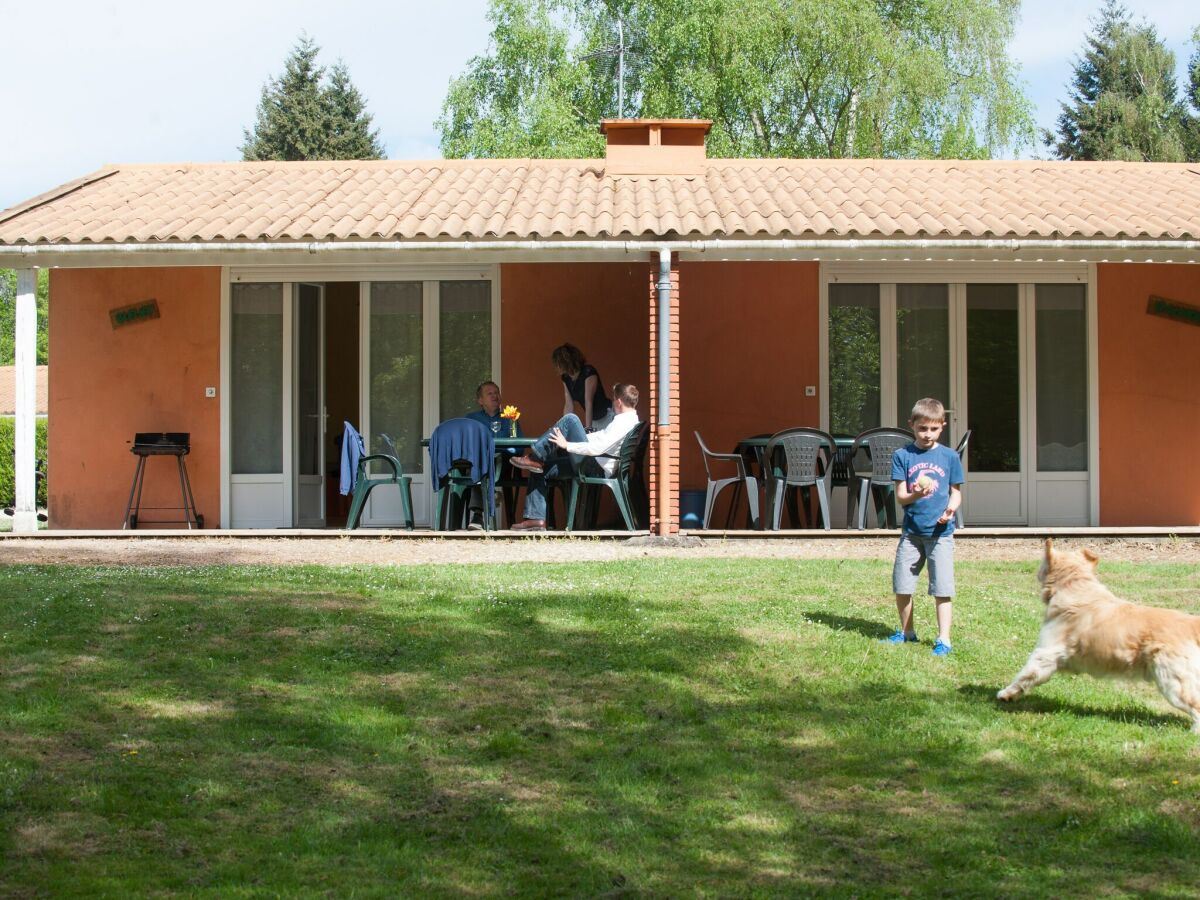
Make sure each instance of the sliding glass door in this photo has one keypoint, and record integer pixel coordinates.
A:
(1009, 360)
(427, 346)
(993, 400)
(259, 494)
(424, 345)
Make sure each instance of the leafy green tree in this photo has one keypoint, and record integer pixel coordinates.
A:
(794, 78)
(8, 316)
(1124, 101)
(1193, 95)
(301, 115)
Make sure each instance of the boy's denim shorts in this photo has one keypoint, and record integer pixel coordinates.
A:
(911, 554)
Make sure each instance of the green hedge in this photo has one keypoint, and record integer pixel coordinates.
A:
(8, 456)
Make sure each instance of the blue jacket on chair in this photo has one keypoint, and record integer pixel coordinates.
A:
(352, 451)
(466, 439)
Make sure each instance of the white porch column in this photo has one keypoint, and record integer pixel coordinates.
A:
(25, 347)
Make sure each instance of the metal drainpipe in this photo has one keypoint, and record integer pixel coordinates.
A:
(664, 390)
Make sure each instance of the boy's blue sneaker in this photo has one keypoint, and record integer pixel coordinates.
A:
(940, 648)
(901, 638)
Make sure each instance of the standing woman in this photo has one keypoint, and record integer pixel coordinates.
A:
(581, 384)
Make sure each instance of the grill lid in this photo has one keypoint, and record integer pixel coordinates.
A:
(162, 441)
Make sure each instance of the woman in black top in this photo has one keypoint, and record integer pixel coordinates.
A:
(581, 384)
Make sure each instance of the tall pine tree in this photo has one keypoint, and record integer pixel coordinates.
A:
(1124, 100)
(302, 115)
(348, 125)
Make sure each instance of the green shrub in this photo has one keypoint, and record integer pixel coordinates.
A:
(8, 460)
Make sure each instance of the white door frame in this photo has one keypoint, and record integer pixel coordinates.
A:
(274, 487)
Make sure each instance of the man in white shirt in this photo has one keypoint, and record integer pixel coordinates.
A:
(569, 435)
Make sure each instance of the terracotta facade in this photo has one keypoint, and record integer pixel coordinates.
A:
(108, 383)
(744, 348)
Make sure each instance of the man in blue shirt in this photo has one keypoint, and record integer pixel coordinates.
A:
(487, 395)
(928, 477)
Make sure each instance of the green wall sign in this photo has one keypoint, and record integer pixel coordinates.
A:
(134, 313)
(1173, 309)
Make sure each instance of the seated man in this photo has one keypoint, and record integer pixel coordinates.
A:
(487, 395)
(569, 435)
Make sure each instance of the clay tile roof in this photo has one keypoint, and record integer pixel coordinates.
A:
(8, 390)
(523, 198)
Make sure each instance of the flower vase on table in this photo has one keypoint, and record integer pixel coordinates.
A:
(512, 414)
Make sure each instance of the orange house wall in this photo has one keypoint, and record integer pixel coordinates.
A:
(748, 335)
(1149, 396)
(748, 338)
(106, 384)
(599, 307)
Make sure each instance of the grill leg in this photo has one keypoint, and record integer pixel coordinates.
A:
(135, 487)
(191, 498)
(185, 488)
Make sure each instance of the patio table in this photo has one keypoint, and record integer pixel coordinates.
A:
(502, 443)
(753, 448)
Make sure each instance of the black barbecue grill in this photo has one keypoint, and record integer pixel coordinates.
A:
(161, 443)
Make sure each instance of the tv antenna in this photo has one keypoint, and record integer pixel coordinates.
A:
(618, 51)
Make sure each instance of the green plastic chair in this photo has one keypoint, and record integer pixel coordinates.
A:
(456, 484)
(363, 485)
(880, 444)
(628, 457)
(798, 459)
(454, 490)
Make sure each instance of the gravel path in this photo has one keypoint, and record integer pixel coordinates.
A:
(150, 551)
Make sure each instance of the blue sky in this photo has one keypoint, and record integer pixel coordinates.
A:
(97, 82)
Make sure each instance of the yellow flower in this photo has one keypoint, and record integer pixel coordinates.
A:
(510, 412)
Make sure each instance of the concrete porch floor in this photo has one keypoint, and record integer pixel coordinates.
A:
(1182, 532)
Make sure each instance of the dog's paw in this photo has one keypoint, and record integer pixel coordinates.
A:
(1008, 694)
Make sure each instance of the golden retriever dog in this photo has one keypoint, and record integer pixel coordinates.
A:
(1088, 629)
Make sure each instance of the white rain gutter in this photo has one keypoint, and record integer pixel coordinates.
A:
(8, 252)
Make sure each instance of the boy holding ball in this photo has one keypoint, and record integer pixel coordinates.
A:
(928, 478)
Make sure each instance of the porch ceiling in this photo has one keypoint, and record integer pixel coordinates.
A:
(577, 199)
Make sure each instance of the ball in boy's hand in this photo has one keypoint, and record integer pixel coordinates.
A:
(924, 483)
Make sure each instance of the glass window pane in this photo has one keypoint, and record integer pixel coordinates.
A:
(256, 379)
(922, 347)
(466, 344)
(308, 377)
(395, 382)
(1062, 419)
(993, 378)
(853, 358)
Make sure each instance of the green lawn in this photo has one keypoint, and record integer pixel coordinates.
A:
(728, 728)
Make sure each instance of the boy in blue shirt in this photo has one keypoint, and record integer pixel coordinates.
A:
(928, 477)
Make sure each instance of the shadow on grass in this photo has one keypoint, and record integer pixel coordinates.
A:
(1039, 704)
(433, 737)
(865, 627)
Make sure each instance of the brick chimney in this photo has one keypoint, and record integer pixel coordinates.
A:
(655, 146)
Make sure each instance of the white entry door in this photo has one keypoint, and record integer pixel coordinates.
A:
(309, 419)
(258, 392)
